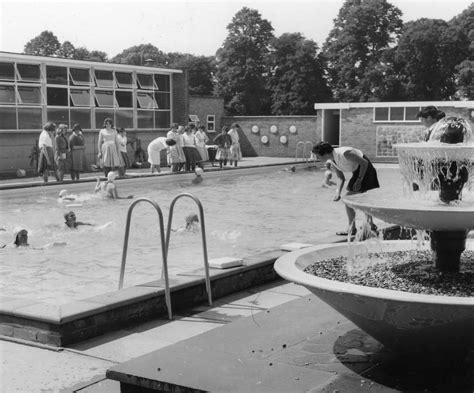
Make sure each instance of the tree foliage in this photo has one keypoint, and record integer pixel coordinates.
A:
(296, 78)
(426, 56)
(241, 64)
(354, 49)
(139, 54)
(45, 44)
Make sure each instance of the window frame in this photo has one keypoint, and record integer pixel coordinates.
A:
(213, 122)
(388, 119)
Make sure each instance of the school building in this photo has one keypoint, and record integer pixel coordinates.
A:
(145, 100)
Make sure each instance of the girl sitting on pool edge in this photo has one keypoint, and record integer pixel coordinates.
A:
(108, 188)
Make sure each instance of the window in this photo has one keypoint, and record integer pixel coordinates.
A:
(81, 116)
(80, 76)
(56, 75)
(193, 118)
(162, 119)
(396, 114)
(7, 95)
(29, 119)
(124, 99)
(8, 116)
(162, 82)
(57, 96)
(58, 115)
(145, 119)
(146, 101)
(145, 81)
(80, 97)
(7, 72)
(125, 80)
(163, 100)
(29, 72)
(104, 78)
(211, 123)
(124, 118)
(104, 98)
(30, 95)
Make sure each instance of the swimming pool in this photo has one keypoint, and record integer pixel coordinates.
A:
(247, 211)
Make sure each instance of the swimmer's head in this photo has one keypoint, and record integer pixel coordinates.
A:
(70, 218)
(111, 176)
(191, 218)
(21, 238)
(198, 171)
(62, 193)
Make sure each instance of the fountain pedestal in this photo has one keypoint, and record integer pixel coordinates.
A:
(448, 247)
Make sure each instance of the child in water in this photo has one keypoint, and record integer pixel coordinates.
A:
(192, 224)
(21, 240)
(198, 178)
(327, 182)
(71, 222)
(108, 188)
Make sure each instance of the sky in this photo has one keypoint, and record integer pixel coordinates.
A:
(192, 26)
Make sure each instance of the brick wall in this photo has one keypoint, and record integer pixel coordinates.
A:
(358, 129)
(203, 106)
(308, 128)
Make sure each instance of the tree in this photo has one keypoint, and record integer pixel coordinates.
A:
(241, 64)
(296, 79)
(426, 73)
(46, 44)
(67, 50)
(362, 32)
(137, 55)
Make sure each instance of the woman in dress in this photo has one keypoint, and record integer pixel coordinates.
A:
(109, 147)
(46, 161)
(176, 158)
(154, 151)
(201, 141)
(191, 153)
(223, 143)
(235, 152)
(122, 138)
(62, 151)
(78, 152)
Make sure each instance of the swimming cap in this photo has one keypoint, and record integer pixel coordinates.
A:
(199, 171)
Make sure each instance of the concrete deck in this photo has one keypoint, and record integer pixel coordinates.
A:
(275, 338)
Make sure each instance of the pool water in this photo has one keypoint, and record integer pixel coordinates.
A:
(246, 212)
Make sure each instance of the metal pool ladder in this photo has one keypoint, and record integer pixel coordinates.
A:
(164, 250)
(304, 151)
(203, 234)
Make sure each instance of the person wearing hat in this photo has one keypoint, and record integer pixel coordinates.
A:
(78, 152)
(235, 152)
(108, 188)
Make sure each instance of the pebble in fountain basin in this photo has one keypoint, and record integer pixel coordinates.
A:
(403, 321)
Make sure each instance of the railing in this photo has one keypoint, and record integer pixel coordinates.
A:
(306, 153)
(203, 234)
(164, 250)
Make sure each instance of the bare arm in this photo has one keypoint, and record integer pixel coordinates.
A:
(342, 179)
(99, 143)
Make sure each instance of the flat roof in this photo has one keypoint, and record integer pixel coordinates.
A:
(349, 105)
(84, 63)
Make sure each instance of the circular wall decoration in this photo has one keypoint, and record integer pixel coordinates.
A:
(273, 129)
(293, 129)
(255, 129)
(283, 140)
(264, 139)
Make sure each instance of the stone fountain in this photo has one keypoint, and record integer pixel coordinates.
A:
(438, 198)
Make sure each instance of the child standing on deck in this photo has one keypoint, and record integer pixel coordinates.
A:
(223, 143)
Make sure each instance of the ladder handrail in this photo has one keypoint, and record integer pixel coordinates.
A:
(304, 157)
(164, 250)
(203, 234)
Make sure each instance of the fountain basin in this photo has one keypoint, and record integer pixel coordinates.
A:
(406, 212)
(405, 322)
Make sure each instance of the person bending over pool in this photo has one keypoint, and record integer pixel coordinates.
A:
(364, 176)
(108, 188)
(70, 220)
